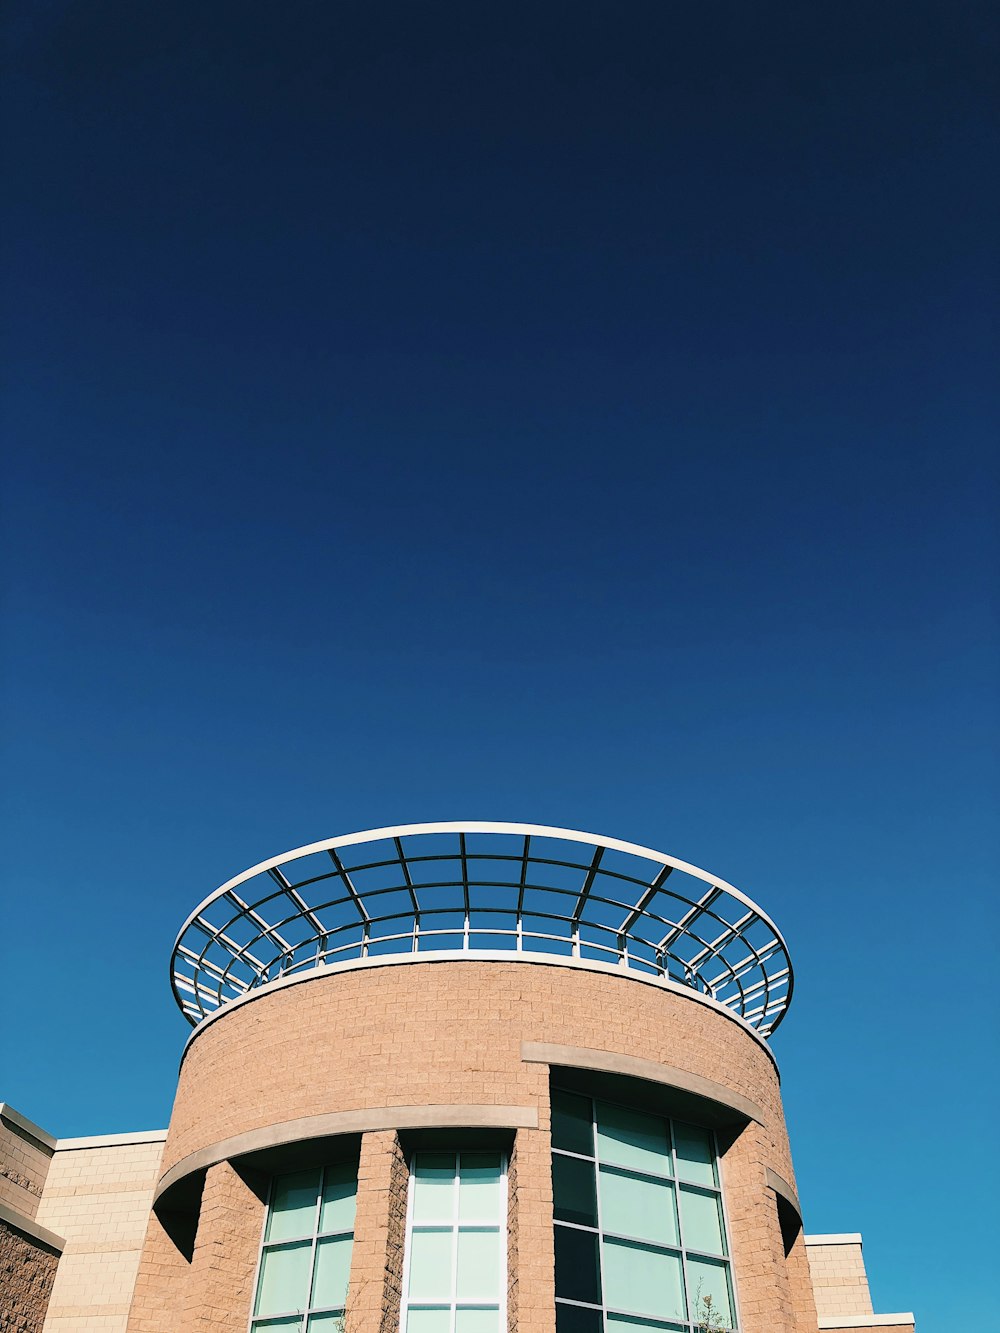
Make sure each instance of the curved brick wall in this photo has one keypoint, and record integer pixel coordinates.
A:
(439, 1033)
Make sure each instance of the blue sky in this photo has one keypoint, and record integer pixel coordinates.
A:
(576, 414)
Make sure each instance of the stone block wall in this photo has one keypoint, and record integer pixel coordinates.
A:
(98, 1196)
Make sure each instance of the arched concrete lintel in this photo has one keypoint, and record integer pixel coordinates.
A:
(649, 1071)
(336, 1124)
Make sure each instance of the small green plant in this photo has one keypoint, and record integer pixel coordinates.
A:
(708, 1319)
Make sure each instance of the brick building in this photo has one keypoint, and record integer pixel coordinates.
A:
(448, 1079)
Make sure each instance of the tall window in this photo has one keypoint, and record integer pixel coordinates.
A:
(640, 1235)
(456, 1243)
(305, 1257)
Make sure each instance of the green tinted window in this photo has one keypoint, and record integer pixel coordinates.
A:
(640, 1237)
(306, 1253)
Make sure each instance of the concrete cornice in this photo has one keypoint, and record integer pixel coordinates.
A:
(835, 1322)
(348, 1122)
(835, 1238)
(113, 1140)
(22, 1125)
(611, 1062)
(29, 1227)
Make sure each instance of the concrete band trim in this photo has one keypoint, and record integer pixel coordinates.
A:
(784, 1191)
(868, 1321)
(112, 1140)
(481, 956)
(22, 1126)
(835, 1238)
(30, 1228)
(611, 1062)
(348, 1122)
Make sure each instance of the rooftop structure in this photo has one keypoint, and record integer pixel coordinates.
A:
(448, 1078)
(488, 889)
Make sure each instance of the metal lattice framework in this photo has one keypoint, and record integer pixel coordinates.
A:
(485, 889)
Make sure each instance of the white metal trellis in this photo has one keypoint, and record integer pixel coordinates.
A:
(479, 888)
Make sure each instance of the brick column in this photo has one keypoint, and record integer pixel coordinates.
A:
(219, 1289)
(160, 1282)
(800, 1281)
(531, 1246)
(376, 1285)
(759, 1268)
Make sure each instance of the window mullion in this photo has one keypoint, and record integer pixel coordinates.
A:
(597, 1205)
(456, 1187)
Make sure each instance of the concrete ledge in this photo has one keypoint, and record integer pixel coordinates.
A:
(113, 1140)
(31, 1228)
(631, 1066)
(836, 1238)
(348, 1122)
(21, 1125)
(867, 1321)
(782, 1188)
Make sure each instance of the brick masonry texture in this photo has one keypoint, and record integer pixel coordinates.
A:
(839, 1280)
(27, 1272)
(450, 1033)
(376, 1283)
(98, 1199)
(218, 1290)
(24, 1164)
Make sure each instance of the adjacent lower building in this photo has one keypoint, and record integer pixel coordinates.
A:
(449, 1078)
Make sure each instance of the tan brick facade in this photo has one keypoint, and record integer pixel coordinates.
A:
(24, 1163)
(98, 1197)
(376, 1282)
(443, 1035)
(27, 1272)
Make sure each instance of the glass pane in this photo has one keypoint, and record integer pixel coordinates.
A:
(702, 1218)
(428, 1321)
(478, 1265)
(430, 1265)
(619, 1323)
(577, 1319)
(571, 1123)
(709, 1279)
(695, 1158)
(637, 1206)
(632, 1138)
(340, 1185)
(477, 1321)
(291, 1325)
(643, 1280)
(479, 1187)
(293, 1206)
(573, 1190)
(578, 1276)
(433, 1187)
(333, 1267)
(284, 1279)
(332, 1322)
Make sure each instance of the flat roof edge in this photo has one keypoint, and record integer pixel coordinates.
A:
(113, 1140)
(867, 1320)
(835, 1238)
(21, 1123)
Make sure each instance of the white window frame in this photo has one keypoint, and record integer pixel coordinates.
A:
(486, 1303)
(306, 1313)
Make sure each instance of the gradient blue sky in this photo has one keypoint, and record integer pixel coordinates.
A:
(581, 414)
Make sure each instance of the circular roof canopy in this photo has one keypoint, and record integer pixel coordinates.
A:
(483, 889)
